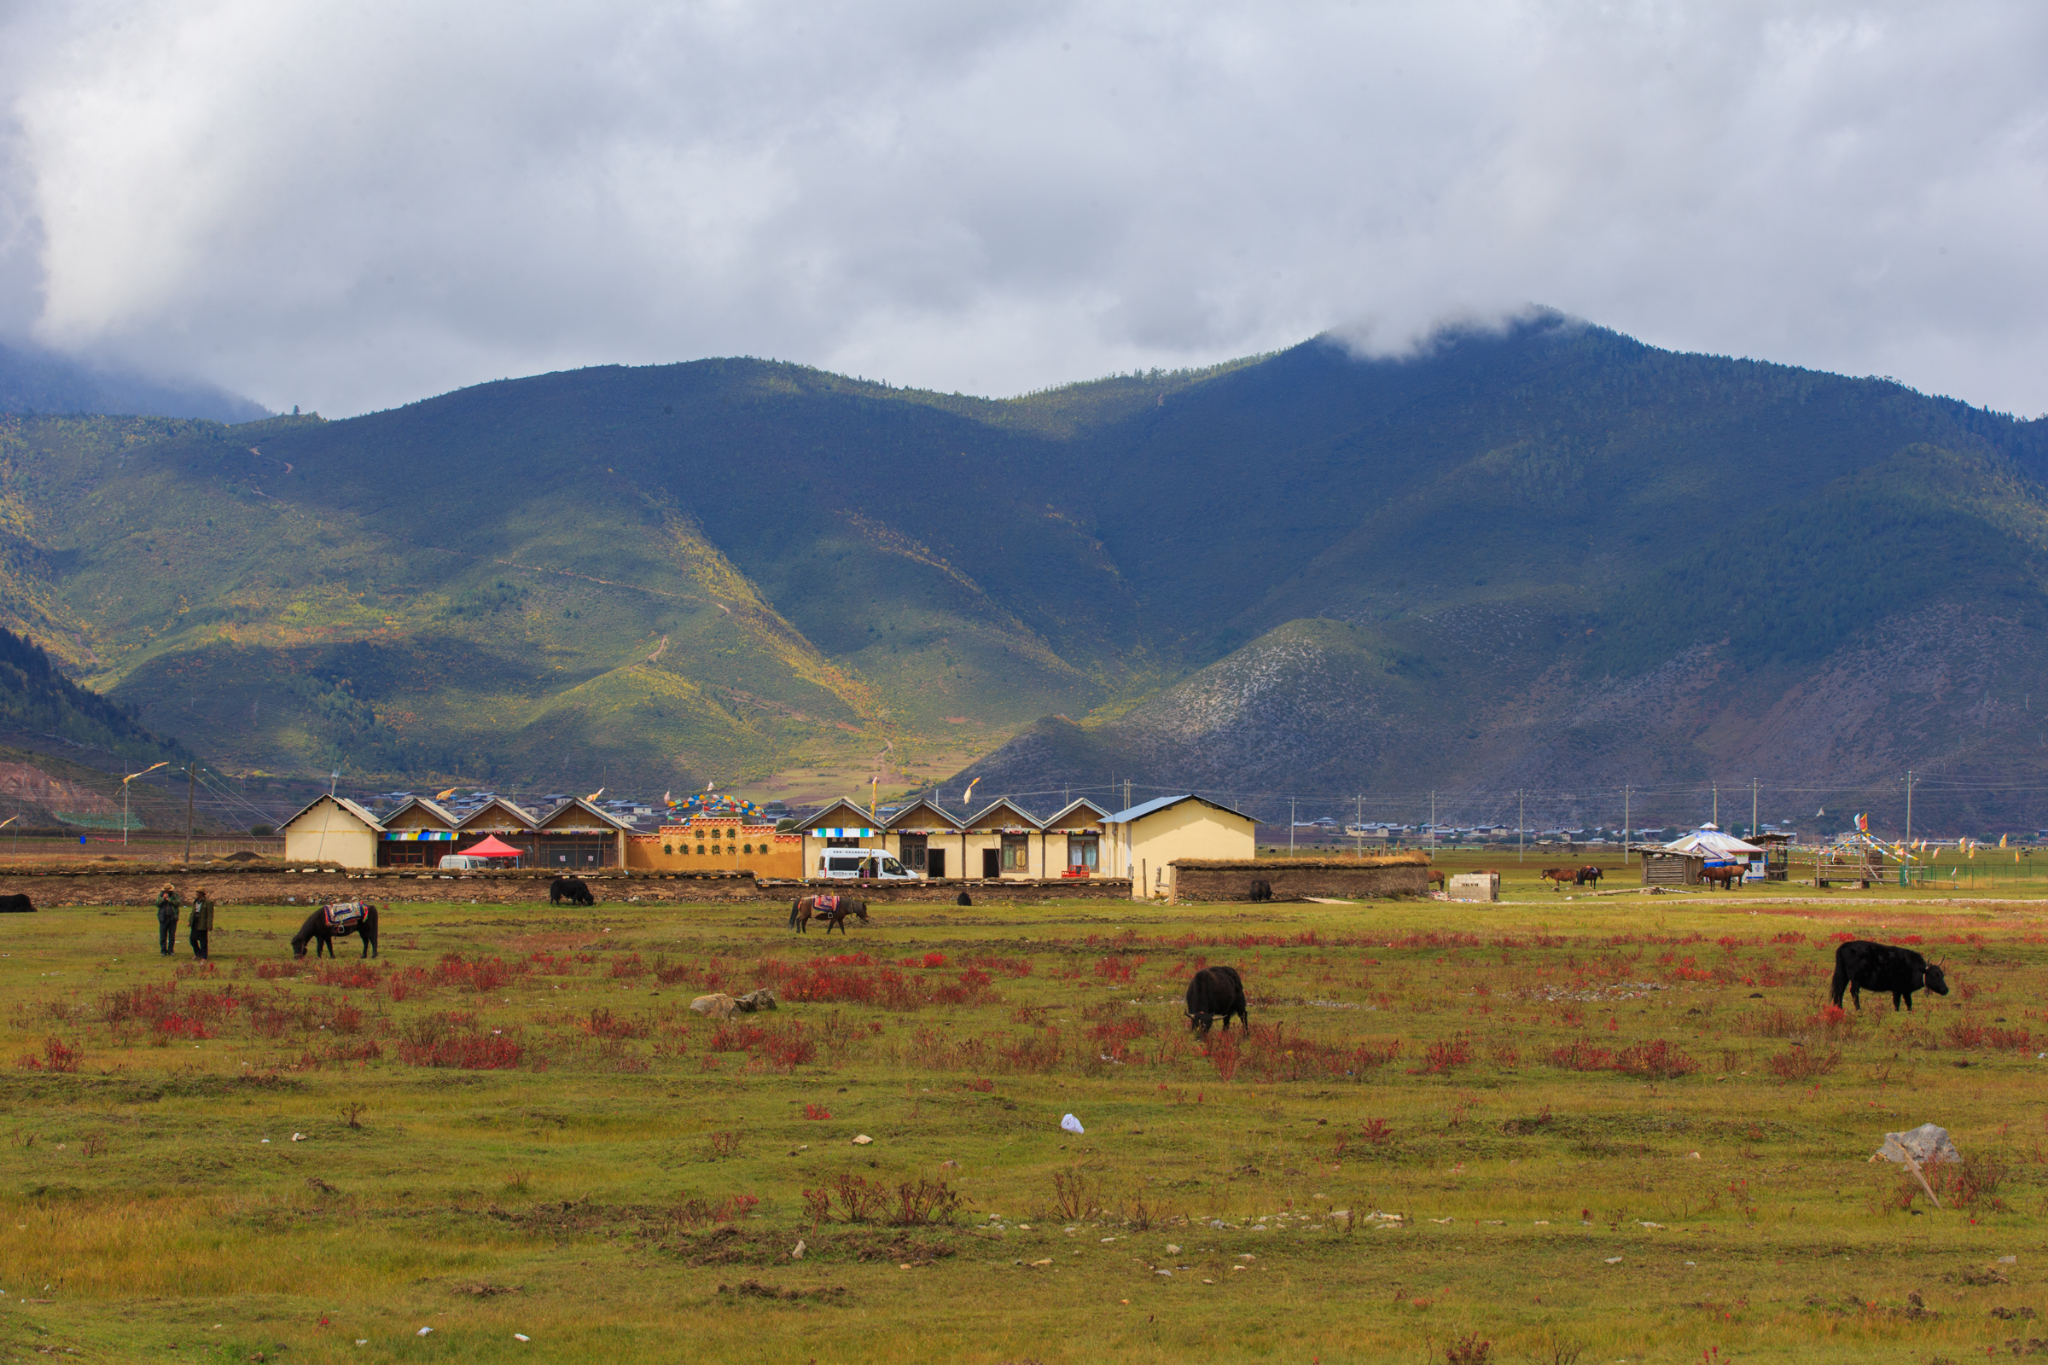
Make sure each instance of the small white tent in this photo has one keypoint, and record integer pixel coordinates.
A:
(1720, 850)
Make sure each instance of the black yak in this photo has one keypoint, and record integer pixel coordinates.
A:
(572, 890)
(1216, 992)
(1861, 965)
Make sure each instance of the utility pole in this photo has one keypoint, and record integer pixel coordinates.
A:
(1752, 810)
(1717, 805)
(1290, 827)
(1626, 792)
(1909, 806)
(1432, 824)
(189, 780)
(1358, 824)
(1521, 804)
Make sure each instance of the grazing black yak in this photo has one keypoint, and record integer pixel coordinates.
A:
(963, 899)
(1861, 965)
(1216, 992)
(338, 920)
(572, 890)
(1262, 890)
(16, 905)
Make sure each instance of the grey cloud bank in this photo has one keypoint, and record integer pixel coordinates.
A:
(351, 206)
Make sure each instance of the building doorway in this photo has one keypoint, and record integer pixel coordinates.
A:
(912, 851)
(935, 863)
(991, 864)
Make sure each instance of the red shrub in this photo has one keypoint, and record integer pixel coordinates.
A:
(1581, 1055)
(57, 1056)
(1656, 1060)
(271, 971)
(466, 1051)
(1038, 1052)
(1118, 968)
(1444, 1055)
(602, 1023)
(179, 1026)
(348, 975)
(1968, 1033)
(817, 1111)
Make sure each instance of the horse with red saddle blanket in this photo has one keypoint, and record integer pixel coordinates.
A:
(833, 910)
(337, 920)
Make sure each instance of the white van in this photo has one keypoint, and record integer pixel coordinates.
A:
(463, 862)
(868, 864)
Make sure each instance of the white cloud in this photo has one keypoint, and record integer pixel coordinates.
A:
(352, 205)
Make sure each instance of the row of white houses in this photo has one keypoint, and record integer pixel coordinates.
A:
(1001, 841)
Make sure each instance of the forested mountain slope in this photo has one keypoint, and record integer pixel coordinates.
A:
(1546, 551)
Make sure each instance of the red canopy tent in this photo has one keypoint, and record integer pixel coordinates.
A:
(491, 847)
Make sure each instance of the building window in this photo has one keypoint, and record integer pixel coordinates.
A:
(1082, 851)
(1016, 853)
(700, 850)
(913, 850)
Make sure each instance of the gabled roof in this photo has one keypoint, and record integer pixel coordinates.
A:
(1091, 814)
(342, 802)
(577, 803)
(1152, 807)
(991, 813)
(502, 810)
(390, 821)
(841, 814)
(924, 812)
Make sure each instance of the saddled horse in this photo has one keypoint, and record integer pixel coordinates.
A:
(1589, 875)
(337, 920)
(833, 910)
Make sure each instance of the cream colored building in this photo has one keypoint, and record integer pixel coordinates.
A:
(1145, 840)
(332, 829)
(840, 825)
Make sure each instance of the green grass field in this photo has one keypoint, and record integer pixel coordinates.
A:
(1594, 1130)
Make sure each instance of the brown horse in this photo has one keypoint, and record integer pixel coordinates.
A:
(833, 910)
(1436, 878)
(1723, 877)
(1558, 876)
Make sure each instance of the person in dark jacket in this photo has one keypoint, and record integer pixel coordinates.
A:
(202, 923)
(167, 902)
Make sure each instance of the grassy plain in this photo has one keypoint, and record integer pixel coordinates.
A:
(1597, 1130)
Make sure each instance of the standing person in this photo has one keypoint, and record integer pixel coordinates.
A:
(167, 921)
(202, 923)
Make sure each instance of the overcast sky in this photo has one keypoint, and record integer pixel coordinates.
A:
(352, 205)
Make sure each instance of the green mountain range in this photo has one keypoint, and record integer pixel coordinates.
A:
(1548, 557)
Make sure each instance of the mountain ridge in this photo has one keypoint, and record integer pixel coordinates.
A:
(757, 573)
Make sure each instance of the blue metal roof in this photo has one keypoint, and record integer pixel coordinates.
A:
(1145, 808)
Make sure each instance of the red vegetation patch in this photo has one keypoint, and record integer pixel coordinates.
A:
(57, 1056)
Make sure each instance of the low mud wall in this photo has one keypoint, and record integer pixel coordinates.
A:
(129, 884)
(1221, 881)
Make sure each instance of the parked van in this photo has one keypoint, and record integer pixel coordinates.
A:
(869, 864)
(463, 862)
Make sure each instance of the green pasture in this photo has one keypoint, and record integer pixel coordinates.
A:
(1591, 1130)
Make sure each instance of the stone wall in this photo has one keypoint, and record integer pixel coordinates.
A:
(129, 884)
(1223, 881)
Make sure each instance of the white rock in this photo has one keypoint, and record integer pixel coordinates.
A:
(862, 1141)
(1925, 1144)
